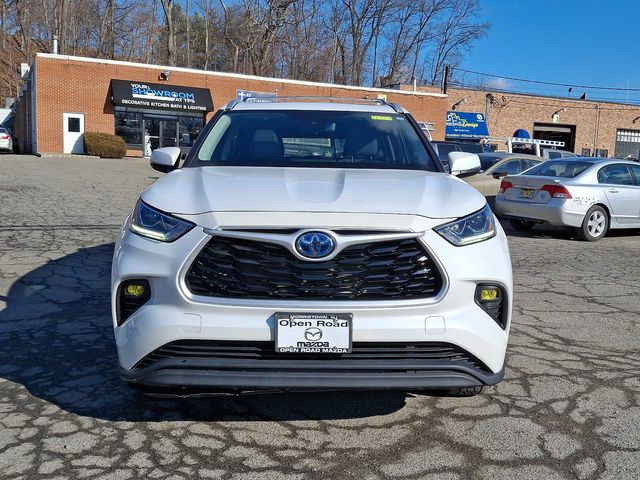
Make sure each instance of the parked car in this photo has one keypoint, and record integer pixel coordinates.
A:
(495, 166)
(444, 148)
(260, 266)
(6, 142)
(553, 153)
(588, 194)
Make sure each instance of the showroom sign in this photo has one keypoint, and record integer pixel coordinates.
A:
(160, 96)
(466, 125)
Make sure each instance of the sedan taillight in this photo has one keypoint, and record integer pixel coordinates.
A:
(4, 137)
(557, 191)
(504, 186)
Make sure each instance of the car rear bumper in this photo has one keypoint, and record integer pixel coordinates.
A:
(242, 366)
(557, 212)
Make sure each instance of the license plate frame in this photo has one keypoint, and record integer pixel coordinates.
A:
(527, 193)
(313, 333)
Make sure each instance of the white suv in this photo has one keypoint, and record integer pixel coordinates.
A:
(311, 244)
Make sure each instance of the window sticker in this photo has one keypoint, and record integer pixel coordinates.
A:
(381, 117)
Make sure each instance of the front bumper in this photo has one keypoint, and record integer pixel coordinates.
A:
(174, 314)
(256, 366)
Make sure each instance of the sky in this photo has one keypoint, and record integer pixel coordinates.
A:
(586, 42)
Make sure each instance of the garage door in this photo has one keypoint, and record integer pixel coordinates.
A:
(627, 143)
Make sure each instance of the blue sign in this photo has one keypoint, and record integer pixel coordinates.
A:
(466, 125)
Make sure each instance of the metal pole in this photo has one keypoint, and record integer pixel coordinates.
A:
(595, 136)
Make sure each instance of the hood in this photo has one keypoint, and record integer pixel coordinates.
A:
(193, 191)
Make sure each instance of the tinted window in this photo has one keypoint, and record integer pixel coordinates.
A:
(445, 148)
(636, 172)
(529, 163)
(615, 174)
(320, 139)
(559, 168)
(510, 167)
(488, 161)
(471, 147)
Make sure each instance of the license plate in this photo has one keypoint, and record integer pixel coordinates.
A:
(527, 192)
(313, 332)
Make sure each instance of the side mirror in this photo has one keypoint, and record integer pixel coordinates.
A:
(463, 163)
(165, 159)
(499, 174)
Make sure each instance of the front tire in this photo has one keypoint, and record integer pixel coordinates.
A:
(595, 224)
(522, 225)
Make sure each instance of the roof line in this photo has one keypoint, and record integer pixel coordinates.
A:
(235, 75)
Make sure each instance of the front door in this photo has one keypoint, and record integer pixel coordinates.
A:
(621, 191)
(73, 128)
(162, 132)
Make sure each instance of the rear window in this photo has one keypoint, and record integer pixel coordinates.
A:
(559, 168)
(318, 139)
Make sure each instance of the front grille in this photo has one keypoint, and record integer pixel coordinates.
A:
(375, 356)
(236, 268)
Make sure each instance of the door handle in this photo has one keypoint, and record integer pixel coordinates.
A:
(613, 190)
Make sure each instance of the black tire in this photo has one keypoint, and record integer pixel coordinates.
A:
(595, 224)
(464, 392)
(522, 225)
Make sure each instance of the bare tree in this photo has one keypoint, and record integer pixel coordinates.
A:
(167, 7)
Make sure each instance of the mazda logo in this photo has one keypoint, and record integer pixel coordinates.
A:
(313, 334)
(315, 245)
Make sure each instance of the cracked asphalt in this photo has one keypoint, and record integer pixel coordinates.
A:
(569, 406)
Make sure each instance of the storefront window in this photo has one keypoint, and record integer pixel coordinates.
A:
(129, 126)
(161, 128)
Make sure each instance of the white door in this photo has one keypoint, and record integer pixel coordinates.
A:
(73, 127)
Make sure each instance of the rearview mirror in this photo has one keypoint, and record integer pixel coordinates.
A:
(165, 159)
(463, 163)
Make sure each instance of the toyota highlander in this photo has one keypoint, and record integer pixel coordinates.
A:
(308, 244)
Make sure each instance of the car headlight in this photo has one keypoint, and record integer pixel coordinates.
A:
(477, 227)
(151, 223)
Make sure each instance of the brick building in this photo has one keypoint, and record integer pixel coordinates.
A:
(587, 127)
(151, 106)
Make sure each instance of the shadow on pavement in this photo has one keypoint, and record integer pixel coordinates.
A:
(56, 340)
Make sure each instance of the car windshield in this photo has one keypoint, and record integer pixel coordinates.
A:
(471, 147)
(488, 161)
(559, 168)
(318, 139)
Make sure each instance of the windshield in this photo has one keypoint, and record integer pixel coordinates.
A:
(559, 168)
(318, 139)
(488, 161)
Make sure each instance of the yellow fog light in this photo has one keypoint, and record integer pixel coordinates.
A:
(488, 294)
(134, 290)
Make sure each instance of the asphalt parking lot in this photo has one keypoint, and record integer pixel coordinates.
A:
(569, 406)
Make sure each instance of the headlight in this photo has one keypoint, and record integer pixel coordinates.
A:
(475, 228)
(151, 223)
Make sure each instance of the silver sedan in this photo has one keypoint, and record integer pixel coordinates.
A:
(591, 195)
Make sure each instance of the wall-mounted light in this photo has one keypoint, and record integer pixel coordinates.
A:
(636, 119)
(164, 76)
(458, 103)
(555, 116)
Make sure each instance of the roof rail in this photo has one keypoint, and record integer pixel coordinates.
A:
(367, 101)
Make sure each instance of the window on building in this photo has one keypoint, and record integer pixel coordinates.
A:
(129, 126)
(73, 124)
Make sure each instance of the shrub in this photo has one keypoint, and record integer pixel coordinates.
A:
(104, 145)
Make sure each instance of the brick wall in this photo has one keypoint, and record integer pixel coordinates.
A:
(72, 85)
(522, 111)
